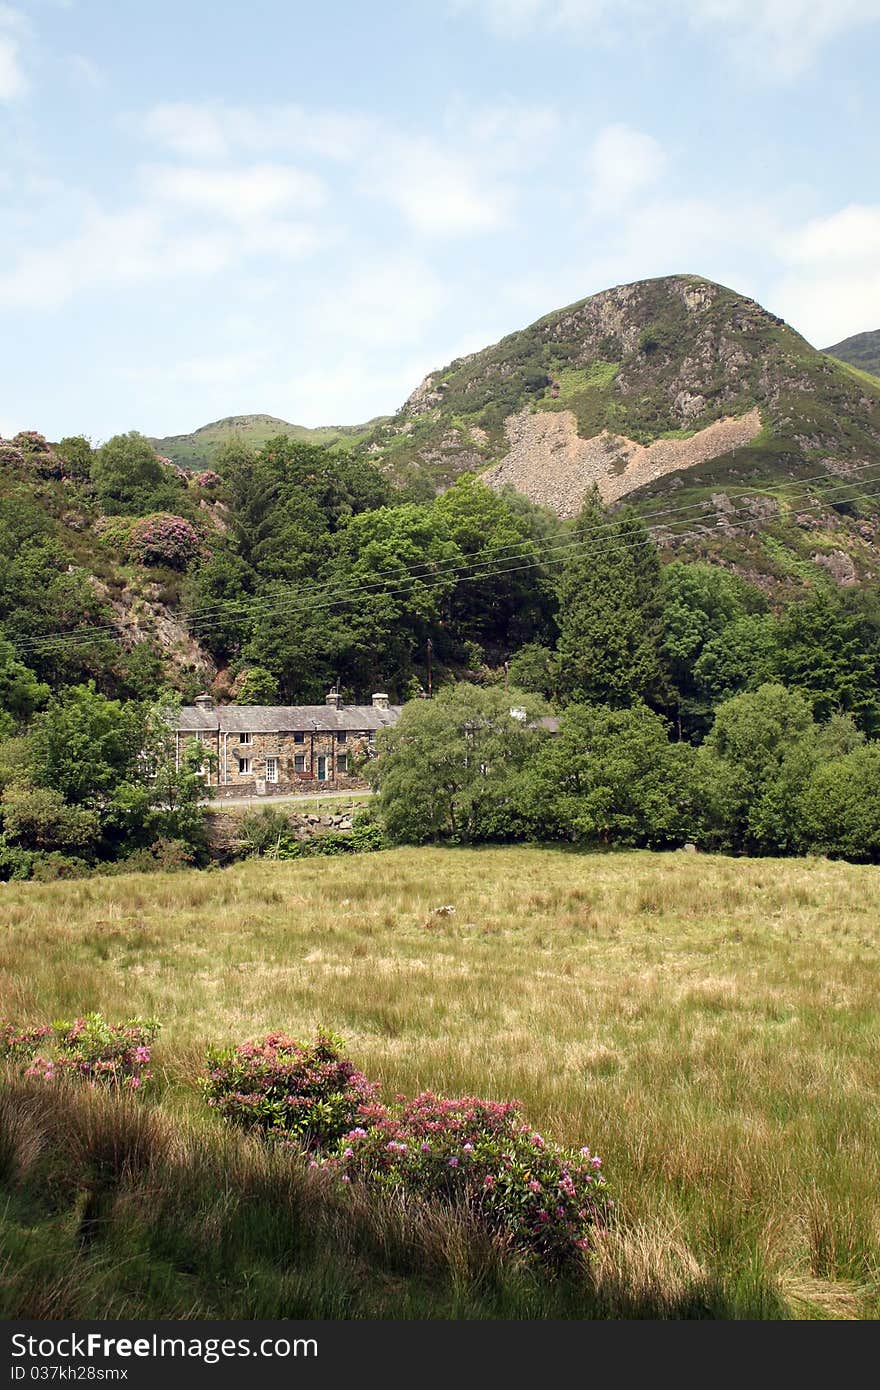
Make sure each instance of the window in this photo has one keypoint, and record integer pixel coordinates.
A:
(244, 766)
(271, 769)
(341, 736)
(299, 762)
(246, 739)
(299, 738)
(342, 762)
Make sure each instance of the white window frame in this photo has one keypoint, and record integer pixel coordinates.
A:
(297, 759)
(246, 740)
(272, 770)
(245, 767)
(342, 763)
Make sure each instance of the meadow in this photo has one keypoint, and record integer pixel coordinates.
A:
(709, 1025)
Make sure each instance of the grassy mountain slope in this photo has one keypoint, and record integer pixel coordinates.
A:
(196, 450)
(658, 360)
(862, 350)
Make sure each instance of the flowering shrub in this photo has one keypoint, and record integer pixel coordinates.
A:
(163, 539)
(482, 1155)
(112, 1054)
(37, 454)
(310, 1095)
(477, 1154)
(207, 479)
(20, 1044)
(10, 454)
(31, 442)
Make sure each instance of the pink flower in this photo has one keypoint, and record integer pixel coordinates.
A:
(453, 1162)
(534, 1186)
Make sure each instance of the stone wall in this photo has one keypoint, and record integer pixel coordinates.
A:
(242, 767)
(224, 827)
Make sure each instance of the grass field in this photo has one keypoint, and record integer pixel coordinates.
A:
(709, 1025)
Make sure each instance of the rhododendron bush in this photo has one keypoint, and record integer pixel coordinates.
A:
(90, 1049)
(289, 1091)
(163, 539)
(478, 1154)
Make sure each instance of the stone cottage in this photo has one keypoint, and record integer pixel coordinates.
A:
(269, 749)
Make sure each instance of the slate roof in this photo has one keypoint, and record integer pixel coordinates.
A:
(285, 719)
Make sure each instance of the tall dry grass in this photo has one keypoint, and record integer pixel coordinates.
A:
(710, 1025)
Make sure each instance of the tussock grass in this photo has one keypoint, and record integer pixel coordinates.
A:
(710, 1025)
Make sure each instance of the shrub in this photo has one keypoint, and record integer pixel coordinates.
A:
(265, 830)
(110, 1054)
(37, 454)
(20, 1044)
(115, 531)
(480, 1154)
(163, 539)
(307, 1094)
(477, 1155)
(207, 479)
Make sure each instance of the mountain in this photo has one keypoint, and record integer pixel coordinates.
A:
(196, 451)
(862, 350)
(635, 389)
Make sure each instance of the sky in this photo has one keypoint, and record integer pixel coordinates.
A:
(211, 208)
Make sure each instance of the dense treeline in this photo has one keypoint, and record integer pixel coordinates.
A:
(473, 767)
(297, 567)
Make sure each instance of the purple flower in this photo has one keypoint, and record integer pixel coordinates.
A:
(453, 1162)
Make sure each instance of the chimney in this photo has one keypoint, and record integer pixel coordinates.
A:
(380, 700)
(334, 699)
(204, 701)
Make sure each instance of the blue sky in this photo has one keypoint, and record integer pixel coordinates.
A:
(213, 208)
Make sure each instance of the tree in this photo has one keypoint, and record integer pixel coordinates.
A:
(839, 808)
(823, 653)
(451, 767)
(609, 611)
(701, 605)
(758, 756)
(537, 669)
(21, 694)
(84, 745)
(255, 686)
(504, 596)
(612, 776)
(130, 480)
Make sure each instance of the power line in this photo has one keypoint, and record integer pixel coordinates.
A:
(341, 597)
(264, 607)
(432, 568)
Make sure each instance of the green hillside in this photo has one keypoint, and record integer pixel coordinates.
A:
(197, 450)
(861, 350)
(655, 360)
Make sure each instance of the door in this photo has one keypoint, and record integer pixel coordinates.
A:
(322, 768)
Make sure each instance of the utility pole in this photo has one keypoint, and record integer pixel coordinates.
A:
(430, 668)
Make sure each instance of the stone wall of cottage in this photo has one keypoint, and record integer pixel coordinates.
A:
(240, 766)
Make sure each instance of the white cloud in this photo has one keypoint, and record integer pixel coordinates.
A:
(383, 304)
(236, 195)
(831, 284)
(220, 370)
(439, 193)
(13, 82)
(621, 164)
(778, 36)
(139, 245)
(216, 131)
